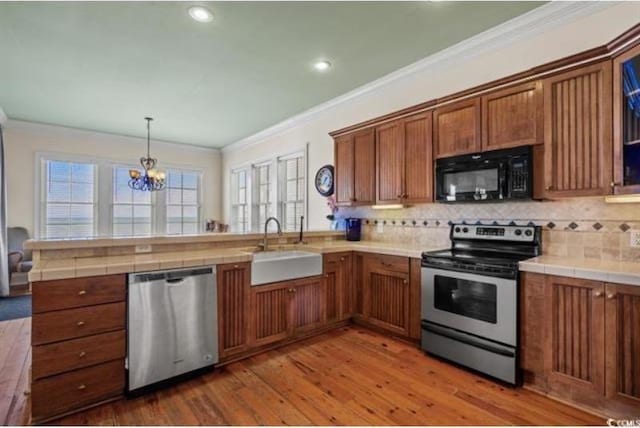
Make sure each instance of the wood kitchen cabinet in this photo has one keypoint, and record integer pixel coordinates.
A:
(78, 344)
(355, 168)
(340, 292)
(404, 165)
(577, 132)
(457, 128)
(579, 341)
(389, 163)
(284, 310)
(386, 293)
(626, 121)
(234, 283)
(574, 352)
(622, 348)
(513, 117)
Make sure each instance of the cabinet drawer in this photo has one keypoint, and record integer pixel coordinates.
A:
(74, 354)
(59, 394)
(77, 292)
(72, 323)
(389, 263)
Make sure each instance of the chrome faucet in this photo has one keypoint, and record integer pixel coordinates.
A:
(264, 245)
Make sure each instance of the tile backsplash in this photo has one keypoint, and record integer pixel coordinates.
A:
(580, 228)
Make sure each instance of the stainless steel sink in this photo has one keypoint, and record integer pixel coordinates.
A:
(276, 266)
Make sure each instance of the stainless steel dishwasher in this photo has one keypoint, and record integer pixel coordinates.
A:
(172, 324)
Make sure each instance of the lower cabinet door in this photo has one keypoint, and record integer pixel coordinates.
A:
(622, 345)
(574, 358)
(233, 308)
(385, 295)
(308, 305)
(270, 313)
(340, 294)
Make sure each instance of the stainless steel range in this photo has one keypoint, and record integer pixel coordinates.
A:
(470, 297)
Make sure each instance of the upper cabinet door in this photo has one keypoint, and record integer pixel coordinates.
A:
(626, 122)
(344, 171)
(418, 158)
(390, 163)
(513, 117)
(364, 145)
(577, 137)
(457, 128)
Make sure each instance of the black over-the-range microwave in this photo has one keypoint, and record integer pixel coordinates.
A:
(498, 175)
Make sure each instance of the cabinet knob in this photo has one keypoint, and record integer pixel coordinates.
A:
(341, 259)
(614, 184)
(326, 275)
(236, 266)
(549, 188)
(80, 323)
(82, 354)
(82, 292)
(598, 294)
(81, 387)
(611, 296)
(353, 199)
(405, 196)
(405, 281)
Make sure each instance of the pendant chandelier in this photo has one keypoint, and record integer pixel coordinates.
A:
(150, 179)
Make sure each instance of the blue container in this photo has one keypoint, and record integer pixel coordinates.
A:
(354, 225)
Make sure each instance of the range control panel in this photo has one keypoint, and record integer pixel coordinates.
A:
(491, 232)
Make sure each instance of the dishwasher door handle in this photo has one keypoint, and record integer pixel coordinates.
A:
(174, 281)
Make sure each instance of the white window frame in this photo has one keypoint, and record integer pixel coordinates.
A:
(247, 202)
(103, 213)
(276, 187)
(281, 192)
(41, 191)
(255, 194)
(162, 200)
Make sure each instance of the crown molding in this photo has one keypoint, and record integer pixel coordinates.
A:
(536, 21)
(50, 128)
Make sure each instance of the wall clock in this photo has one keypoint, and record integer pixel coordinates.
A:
(324, 180)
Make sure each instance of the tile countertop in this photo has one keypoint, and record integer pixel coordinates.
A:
(597, 270)
(53, 269)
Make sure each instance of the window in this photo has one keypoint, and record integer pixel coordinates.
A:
(69, 199)
(262, 194)
(182, 201)
(276, 187)
(292, 187)
(86, 197)
(239, 206)
(132, 210)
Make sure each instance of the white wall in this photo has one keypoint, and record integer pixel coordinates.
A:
(24, 140)
(520, 52)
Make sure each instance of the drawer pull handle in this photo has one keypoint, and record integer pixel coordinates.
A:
(82, 387)
(80, 323)
(611, 296)
(598, 294)
(82, 292)
(82, 354)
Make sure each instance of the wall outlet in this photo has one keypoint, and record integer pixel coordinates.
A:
(634, 240)
(143, 249)
(379, 227)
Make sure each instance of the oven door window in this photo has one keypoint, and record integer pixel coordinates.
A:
(472, 299)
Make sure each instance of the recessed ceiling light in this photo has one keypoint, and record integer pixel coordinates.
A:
(322, 65)
(200, 14)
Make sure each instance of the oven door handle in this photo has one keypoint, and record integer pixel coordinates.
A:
(468, 339)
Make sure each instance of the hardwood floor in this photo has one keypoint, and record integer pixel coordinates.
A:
(349, 376)
(15, 367)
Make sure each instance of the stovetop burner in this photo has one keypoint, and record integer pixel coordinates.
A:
(490, 250)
